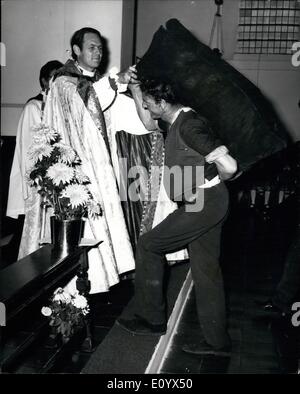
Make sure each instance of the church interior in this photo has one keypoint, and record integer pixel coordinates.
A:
(260, 239)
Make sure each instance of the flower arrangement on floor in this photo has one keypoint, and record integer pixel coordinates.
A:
(66, 312)
(57, 174)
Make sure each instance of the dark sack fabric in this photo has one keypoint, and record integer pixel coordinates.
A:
(241, 116)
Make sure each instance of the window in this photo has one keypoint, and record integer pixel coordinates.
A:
(268, 26)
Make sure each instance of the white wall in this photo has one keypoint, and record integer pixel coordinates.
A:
(275, 76)
(35, 31)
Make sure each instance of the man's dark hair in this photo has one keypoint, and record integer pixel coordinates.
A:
(160, 90)
(78, 37)
(47, 69)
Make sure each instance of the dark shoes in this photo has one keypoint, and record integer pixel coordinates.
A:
(140, 326)
(204, 349)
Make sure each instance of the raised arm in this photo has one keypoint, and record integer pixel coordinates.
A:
(122, 80)
(149, 123)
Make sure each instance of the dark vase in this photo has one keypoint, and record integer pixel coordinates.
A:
(66, 234)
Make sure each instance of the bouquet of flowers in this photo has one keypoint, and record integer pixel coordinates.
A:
(57, 173)
(66, 312)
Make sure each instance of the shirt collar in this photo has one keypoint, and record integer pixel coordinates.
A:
(84, 71)
(184, 109)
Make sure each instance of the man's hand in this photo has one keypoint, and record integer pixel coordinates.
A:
(216, 154)
(128, 76)
(226, 165)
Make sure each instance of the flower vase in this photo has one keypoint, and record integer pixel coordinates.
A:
(52, 339)
(66, 234)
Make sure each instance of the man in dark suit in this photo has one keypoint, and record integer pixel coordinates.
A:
(198, 163)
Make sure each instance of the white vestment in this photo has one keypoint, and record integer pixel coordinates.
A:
(22, 199)
(19, 189)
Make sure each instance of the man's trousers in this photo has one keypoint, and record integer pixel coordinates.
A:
(201, 233)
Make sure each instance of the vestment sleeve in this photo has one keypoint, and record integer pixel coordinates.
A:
(105, 91)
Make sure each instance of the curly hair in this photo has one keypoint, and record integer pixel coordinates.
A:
(160, 90)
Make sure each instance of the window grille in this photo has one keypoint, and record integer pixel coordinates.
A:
(268, 26)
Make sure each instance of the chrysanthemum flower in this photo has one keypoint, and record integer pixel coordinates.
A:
(78, 195)
(80, 301)
(62, 297)
(53, 163)
(37, 152)
(94, 209)
(43, 134)
(46, 311)
(60, 172)
(67, 154)
(80, 176)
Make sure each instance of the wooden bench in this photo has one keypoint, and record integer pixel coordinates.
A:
(28, 283)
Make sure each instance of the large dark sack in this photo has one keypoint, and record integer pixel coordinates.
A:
(241, 116)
